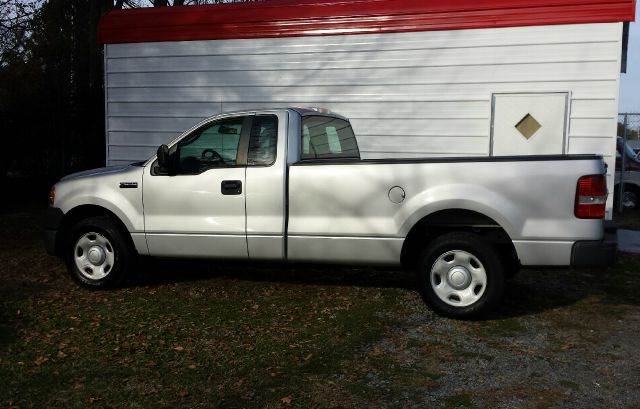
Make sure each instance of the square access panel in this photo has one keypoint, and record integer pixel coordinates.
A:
(529, 124)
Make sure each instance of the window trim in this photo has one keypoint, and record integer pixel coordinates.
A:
(344, 158)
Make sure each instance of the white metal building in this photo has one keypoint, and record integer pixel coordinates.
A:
(416, 78)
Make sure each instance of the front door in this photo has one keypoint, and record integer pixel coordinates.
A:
(529, 124)
(199, 211)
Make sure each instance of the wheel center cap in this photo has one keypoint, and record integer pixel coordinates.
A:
(459, 277)
(96, 255)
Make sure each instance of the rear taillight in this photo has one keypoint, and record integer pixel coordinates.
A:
(591, 197)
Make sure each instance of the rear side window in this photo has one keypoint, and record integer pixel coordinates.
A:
(325, 137)
(263, 141)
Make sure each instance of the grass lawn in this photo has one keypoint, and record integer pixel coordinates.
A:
(196, 334)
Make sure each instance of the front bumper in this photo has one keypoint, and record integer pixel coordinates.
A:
(600, 253)
(52, 221)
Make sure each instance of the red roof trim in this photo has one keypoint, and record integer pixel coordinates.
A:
(289, 18)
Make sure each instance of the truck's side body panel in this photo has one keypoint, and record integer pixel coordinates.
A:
(419, 94)
(345, 209)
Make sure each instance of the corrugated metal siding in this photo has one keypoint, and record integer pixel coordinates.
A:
(407, 94)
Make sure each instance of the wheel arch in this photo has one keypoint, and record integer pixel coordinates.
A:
(455, 219)
(84, 211)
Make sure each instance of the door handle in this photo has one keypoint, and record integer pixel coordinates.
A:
(231, 187)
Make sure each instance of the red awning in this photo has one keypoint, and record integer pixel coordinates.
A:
(289, 18)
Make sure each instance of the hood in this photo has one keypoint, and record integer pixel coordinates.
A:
(96, 172)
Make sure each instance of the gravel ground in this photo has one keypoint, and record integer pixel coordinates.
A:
(563, 339)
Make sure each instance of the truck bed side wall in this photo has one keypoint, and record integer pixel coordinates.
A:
(345, 210)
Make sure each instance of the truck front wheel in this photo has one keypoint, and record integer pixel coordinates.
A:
(97, 253)
(461, 275)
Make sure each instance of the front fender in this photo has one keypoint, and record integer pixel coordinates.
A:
(126, 212)
(105, 191)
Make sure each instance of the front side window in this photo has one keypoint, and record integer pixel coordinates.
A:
(215, 145)
(263, 141)
(325, 137)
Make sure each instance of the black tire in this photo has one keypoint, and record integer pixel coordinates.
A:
(123, 254)
(484, 252)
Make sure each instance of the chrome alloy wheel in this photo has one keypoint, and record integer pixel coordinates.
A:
(458, 278)
(94, 256)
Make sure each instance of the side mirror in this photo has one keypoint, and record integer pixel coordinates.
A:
(163, 158)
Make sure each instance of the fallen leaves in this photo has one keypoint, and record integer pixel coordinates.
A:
(287, 400)
(94, 399)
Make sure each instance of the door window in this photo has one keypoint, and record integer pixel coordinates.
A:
(214, 145)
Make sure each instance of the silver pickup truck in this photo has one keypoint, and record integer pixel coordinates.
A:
(289, 185)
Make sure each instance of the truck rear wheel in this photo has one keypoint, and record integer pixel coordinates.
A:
(97, 253)
(461, 276)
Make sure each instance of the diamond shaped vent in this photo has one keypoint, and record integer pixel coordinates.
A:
(528, 126)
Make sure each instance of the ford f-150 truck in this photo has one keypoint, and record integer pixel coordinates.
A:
(289, 185)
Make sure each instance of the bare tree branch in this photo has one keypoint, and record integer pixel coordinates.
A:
(15, 19)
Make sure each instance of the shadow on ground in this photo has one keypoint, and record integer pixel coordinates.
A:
(531, 291)
(27, 271)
